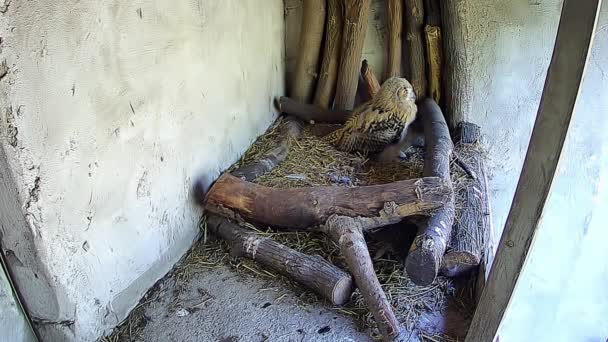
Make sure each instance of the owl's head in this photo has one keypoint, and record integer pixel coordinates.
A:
(397, 90)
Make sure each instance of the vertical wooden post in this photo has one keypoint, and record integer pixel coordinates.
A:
(311, 36)
(328, 75)
(414, 46)
(395, 26)
(356, 13)
(574, 38)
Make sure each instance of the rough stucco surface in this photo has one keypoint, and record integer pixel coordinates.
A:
(13, 323)
(108, 112)
(561, 295)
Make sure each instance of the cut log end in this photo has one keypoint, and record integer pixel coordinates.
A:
(423, 260)
(342, 291)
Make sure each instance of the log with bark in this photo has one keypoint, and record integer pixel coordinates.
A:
(395, 27)
(356, 13)
(291, 130)
(309, 47)
(368, 83)
(312, 271)
(414, 46)
(434, 48)
(328, 75)
(309, 112)
(426, 253)
(470, 234)
(305, 208)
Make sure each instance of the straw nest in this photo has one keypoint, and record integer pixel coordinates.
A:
(312, 162)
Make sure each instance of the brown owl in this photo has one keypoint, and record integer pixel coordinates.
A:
(379, 123)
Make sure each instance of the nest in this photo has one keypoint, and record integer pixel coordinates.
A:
(312, 162)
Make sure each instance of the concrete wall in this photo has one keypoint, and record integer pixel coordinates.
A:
(109, 111)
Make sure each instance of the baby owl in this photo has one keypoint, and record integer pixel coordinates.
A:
(380, 124)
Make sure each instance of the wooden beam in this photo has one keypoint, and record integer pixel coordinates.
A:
(574, 38)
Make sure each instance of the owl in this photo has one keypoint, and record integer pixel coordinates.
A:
(380, 123)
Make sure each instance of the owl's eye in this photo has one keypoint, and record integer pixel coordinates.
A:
(402, 92)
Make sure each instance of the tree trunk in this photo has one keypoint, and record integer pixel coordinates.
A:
(291, 129)
(414, 23)
(458, 76)
(356, 14)
(348, 234)
(328, 75)
(310, 113)
(395, 27)
(425, 255)
(303, 208)
(311, 36)
(313, 272)
(434, 52)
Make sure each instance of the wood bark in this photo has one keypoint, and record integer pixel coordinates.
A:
(311, 36)
(310, 113)
(312, 271)
(414, 46)
(457, 73)
(470, 234)
(434, 51)
(290, 131)
(303, 208)
(395, 28)
(356, 14)
(347, 232)
(328, 75)
(425, 255)
(573, 43)
(369, 84)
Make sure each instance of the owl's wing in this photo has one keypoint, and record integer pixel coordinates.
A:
(370, 131)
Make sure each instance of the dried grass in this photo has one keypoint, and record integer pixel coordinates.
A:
(312, 162)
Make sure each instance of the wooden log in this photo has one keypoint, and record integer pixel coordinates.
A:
(575, 33)
(458, 77)
(311, 36)
(290, 130)
(310, 113)
(471, 233)
(347, 232)
(328, 75)
(414, 46)
(434, 48)
(425, 255)
(304, 208)
(395, 27)
(356, 14)
(434, 51)
(312, 271)
(369, 85)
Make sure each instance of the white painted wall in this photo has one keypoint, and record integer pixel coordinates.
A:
(13, 322)
(110, 110)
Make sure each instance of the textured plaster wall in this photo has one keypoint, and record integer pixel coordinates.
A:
(562, 293)
(109, 110)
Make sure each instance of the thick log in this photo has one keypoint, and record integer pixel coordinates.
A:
(312, 271)
(310, 113)
(356, 14)
(304, 208)
(311, 36)
(414, 46)
(291, 130)
(395, 27)
(470, 234)
(369, 84)
(425, 255)
(328, 75)
(434, 52)
(347, 232)
(457, 73)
